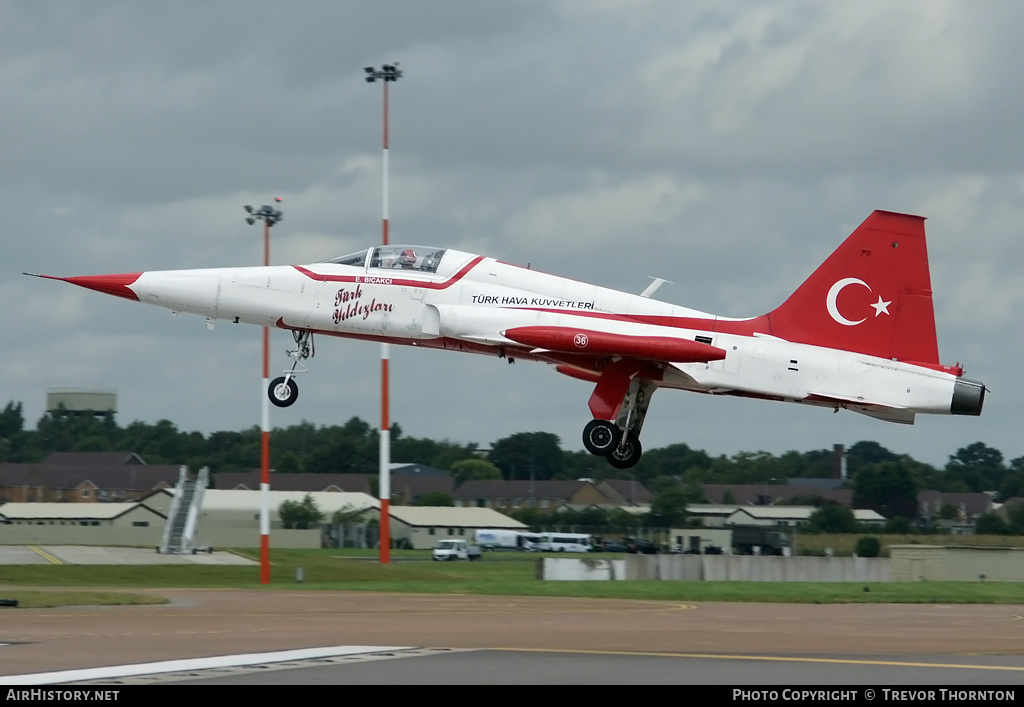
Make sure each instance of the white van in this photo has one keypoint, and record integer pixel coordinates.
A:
(455, 550)
(497, 539)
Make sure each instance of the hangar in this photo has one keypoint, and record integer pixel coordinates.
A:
(82, 523)
(420, 527)
(230, 518)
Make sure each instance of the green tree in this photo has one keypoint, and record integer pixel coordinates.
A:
(673, 461)
(832, 517)
(868, 546)
(991, 524)
(12, 420)
(977, 466)
(668, 508)
(815, 464)
(474, 470)
(1013, 484)
(300, 514)
(898, 525)
(288, 463)
(1015, 518)
(887, 487)
(866, 453)
(623, 521)
(525, 453)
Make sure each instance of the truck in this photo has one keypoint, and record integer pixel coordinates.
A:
(497, 539)
(760, 540)
(449, 550)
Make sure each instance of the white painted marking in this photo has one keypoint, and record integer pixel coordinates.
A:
(171, 666)
(830, 300)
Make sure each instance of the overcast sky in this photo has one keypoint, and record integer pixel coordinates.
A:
(726, 146)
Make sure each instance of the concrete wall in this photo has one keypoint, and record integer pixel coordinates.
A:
(749, 568)
(917, 563)
(582, 569)
(724, 568)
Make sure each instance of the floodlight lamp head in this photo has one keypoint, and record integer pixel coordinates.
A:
(248, 208)
(250, 220)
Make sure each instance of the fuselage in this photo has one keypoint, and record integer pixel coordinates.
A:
(448, 299)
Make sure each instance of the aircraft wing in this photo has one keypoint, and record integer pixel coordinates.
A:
(639, 358)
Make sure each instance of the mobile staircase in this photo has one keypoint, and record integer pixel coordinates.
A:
(183, 517)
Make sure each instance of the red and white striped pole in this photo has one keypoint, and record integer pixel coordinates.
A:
(269, 216)
(387, 73)
(265, 437)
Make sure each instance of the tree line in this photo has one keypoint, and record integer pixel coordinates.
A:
(882, 479)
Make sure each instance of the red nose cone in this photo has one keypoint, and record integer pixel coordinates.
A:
(116, 285)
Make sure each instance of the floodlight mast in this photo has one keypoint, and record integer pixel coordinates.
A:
(269, 216)
(388, 73)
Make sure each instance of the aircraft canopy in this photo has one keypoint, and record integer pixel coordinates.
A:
(390, 257)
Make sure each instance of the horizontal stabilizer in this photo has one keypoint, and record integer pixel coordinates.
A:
(879, 411)
(585, 341)
(900, 416)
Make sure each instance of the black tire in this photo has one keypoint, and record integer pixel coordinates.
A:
(626, 454)
(601, 437)
(283, 395)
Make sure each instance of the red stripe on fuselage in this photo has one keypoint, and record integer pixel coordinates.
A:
(743, 327)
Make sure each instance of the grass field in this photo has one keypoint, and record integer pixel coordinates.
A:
(410, 571)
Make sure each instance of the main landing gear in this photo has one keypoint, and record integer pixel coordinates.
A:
(284, 391)
(619, 441)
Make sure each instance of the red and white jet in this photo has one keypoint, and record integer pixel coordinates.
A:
(859, 334)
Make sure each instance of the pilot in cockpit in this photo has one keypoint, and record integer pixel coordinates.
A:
(406, 261)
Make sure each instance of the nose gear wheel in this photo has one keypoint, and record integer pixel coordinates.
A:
(284, 391)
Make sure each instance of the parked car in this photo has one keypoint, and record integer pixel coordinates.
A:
(611, 546)
(641, 547)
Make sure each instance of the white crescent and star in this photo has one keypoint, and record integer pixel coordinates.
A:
(881, 307)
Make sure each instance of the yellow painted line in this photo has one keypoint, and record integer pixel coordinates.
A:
(44, 554)
(841, 661)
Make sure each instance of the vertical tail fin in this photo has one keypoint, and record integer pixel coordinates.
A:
(873, 295)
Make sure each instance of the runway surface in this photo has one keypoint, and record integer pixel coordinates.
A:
(466, 639)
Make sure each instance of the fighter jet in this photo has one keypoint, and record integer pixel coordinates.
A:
(858, 334)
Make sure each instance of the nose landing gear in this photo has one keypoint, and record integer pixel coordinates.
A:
(284, 391)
